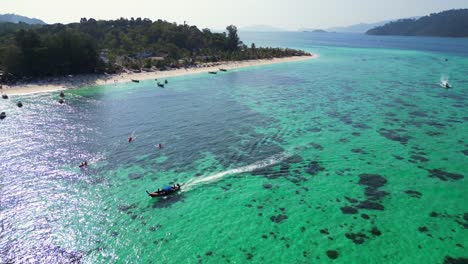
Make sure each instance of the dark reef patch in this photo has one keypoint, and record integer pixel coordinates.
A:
(372, 180)
(369, 205)
(375, 231)
(400, 101)
(443, 175)
(418, 114)
(423, 229)
(348, 210)
(315, 129)
(357, 238)
(465, 152)
(372, 192)
(361, 126)
(294, 159)
(343, 117)
(324, 231)
(435, 124)
(125, 208)
(135, 176)
(278, 218)
(414, 194)
(451, 260)
(373, 183)
(351, 200)
(267, 186)
(314, 168)
(316, 146)
(365, 216)
(154, 228)
(434, 133)
(463, 222)
(359, 151)
(394, 135)
(332, 254)
(418, 158)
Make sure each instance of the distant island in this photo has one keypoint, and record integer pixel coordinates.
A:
(12, 18)
(313, 30)
(451, 23)
(358, 28)
(114, 46)
(261, 28)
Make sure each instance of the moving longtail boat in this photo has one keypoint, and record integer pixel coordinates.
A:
(168, 190)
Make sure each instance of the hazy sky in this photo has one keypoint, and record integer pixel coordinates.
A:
(216, 14)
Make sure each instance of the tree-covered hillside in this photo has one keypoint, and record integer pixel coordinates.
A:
(110, 46)
(452, 23)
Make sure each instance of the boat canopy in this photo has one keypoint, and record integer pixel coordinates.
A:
(167, 188)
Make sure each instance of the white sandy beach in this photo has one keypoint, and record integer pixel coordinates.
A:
(78, 81)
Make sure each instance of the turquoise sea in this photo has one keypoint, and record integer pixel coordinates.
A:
(358, 156)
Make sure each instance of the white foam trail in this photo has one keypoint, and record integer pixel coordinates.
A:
(190, 184)
(444, 80)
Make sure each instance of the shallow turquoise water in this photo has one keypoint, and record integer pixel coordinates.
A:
(359, 152)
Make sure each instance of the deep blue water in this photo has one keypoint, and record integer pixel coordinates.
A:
(457, 46)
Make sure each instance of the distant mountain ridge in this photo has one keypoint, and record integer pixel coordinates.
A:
(261, 28)
(13, 18)
(361, 27)
(451, 23)
(358, 28)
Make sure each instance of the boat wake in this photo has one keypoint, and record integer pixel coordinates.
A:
(444, 81)
(194, 182)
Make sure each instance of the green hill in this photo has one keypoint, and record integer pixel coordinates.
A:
(111, 46)
(451, 23)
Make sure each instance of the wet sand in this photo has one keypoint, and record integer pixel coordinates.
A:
(77, 81)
